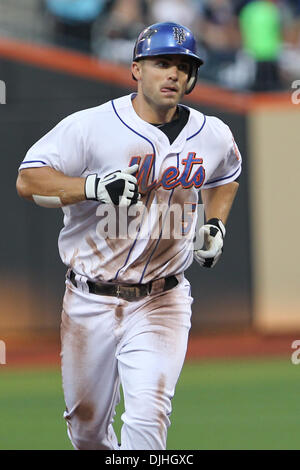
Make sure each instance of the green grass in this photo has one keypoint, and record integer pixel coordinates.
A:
(217, 405)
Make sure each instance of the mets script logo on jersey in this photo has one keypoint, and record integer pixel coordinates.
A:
(179, 35)
(171, 176)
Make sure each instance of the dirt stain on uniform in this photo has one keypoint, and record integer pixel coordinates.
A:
(94, 247)
(92, 244)
(85, 411)
(164, 244)
(119, 315)
(121, 244)
(160, 317)
(165, 320)
(113, 264)
(161, 414)
(74, 338)
(139, 264)
(73, 259)
(67, 298)
(173, 245)
(84, 269)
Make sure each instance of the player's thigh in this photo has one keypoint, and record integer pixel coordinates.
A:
(88, 348)
(154, 348)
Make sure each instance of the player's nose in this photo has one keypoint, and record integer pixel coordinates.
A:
(173, 73)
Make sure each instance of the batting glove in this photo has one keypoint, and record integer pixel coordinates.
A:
(213, 233)
(119, 188)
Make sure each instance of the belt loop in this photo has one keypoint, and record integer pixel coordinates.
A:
(158, 286)
(72, 276)
(149, 288)
(78, 281)
(118, 290)
(83, 284)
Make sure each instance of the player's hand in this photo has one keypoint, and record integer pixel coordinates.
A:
(119, 188)
(213, 233)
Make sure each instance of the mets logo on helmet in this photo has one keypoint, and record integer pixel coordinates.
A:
(179, 34)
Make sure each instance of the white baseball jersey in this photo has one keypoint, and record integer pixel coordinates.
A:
(112, 137)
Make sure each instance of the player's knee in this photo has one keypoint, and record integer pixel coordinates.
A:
(82, 444)
(147, 433)
(150, 416)
(88, 441)
(85, 436)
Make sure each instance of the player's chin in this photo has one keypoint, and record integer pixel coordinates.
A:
(170, 98)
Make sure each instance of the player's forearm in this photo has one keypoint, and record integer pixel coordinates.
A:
(38, 184)
(218, 201)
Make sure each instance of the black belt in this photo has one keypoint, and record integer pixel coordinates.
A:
(128, 292)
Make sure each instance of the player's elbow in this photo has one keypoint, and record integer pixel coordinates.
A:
(23, 187)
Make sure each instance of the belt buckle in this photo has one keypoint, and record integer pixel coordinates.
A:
(131, 293)
(128, 293)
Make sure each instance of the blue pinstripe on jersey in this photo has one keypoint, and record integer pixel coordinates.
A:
(154, 153)
(156, 245)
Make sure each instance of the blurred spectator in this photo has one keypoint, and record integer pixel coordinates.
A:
(261, 31)
(73, 20)
(245, 44)
(114, 35)
(219, 36)
(294, 6)
(290, 55)
(180, 11)
(219, 26)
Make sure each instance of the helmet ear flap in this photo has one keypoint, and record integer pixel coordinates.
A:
(192, 80)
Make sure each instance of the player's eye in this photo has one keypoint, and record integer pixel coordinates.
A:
(162, 63)
(184, 67)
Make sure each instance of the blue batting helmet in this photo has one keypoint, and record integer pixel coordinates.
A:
(165, 39)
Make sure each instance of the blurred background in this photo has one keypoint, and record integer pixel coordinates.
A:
(246, 44)
(60, 56)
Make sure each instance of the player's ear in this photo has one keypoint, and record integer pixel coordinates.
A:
(136, 68)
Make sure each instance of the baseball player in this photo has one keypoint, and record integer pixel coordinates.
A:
(117, 171)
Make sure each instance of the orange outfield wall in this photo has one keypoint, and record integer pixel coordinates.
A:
(89, 67)
(41, 350)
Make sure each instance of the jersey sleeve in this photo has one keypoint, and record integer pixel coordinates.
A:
(62, 149)
(230, 166)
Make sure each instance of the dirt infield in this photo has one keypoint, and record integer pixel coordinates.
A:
(41, 350)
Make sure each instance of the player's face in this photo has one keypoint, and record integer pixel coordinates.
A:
(163, 79)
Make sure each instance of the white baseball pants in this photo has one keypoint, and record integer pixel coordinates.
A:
(107, 341)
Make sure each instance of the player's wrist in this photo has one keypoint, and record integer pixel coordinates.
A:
(90, 187)
(217, 223)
